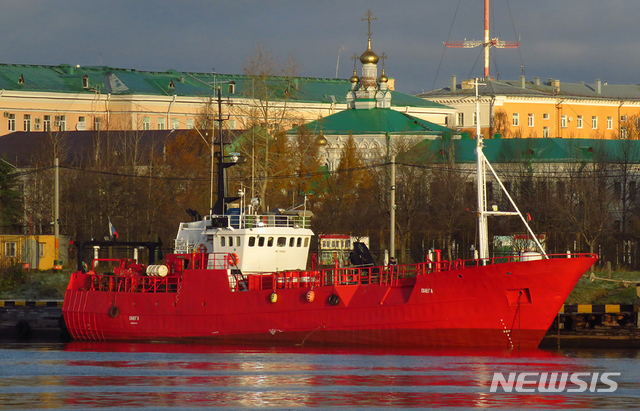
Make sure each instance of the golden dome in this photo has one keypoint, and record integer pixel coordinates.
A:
(383, 78)
(369, 56)
(354, 78)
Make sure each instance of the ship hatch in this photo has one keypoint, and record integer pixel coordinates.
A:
(520, 296)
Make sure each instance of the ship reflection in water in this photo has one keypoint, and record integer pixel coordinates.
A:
(174, 376)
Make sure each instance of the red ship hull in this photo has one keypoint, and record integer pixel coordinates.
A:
(505, 306)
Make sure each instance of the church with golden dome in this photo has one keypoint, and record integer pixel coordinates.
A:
(369, 91)
(369, 117)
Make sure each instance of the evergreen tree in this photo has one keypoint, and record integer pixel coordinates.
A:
(10, 199)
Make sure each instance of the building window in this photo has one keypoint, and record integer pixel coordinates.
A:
(97, 123)
(530, 120)
(161, 123)
(61, 123)
(461, 119)
(27, 122)
(545, 116)
(12, 122)
(516, 119)
(594, 122)
(579, 121)
(609, 123)
(82, 123)
(232, 87)
(46, 123)
(10, 250)
(545, 131)
(232, 124)
(563, 121)
(617, 190)
(623, 118)
(189, 123)
(146, 123)
(175, 124)
(624, 133)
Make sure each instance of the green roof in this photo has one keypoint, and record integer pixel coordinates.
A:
(373, 121)
(117, 81)
(534, 150)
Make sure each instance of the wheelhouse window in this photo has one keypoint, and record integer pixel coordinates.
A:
(223, 241)
(292, 242)
(299, 241)
(252, 241)
(282, 241)
(230, 241)
(270, 242)
(261, 242)
(306, 241)
(238, 243)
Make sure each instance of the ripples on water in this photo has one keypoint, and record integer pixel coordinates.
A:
(175, 376)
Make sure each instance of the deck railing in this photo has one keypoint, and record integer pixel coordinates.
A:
(391, 275)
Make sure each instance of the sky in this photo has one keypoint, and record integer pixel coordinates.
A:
(570, 40)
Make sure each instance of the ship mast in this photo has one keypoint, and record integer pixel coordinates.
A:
(482, 163)
(487, 43)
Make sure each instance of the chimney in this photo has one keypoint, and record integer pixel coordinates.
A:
(556, 85)
(523, 84)
(536, 81)
(598, 86)
(453, 83)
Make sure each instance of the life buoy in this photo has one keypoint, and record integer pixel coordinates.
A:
(202, 248)
(114, 311)
(234, 259)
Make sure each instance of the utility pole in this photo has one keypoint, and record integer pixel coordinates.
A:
(392, 228)
(57, 264)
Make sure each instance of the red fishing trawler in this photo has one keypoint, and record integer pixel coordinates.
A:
(243, 278)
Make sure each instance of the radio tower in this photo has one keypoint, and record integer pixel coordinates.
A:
(487, 43)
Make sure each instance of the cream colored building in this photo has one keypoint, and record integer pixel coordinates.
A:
(535, 109)
(60, 98)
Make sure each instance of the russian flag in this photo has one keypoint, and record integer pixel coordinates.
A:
(112, 230)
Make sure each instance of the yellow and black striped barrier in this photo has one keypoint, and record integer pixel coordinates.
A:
(598, 308)
(31, 303)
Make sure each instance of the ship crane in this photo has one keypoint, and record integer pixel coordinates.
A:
(486, 44)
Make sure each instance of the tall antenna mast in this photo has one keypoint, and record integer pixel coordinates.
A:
(486, 44)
